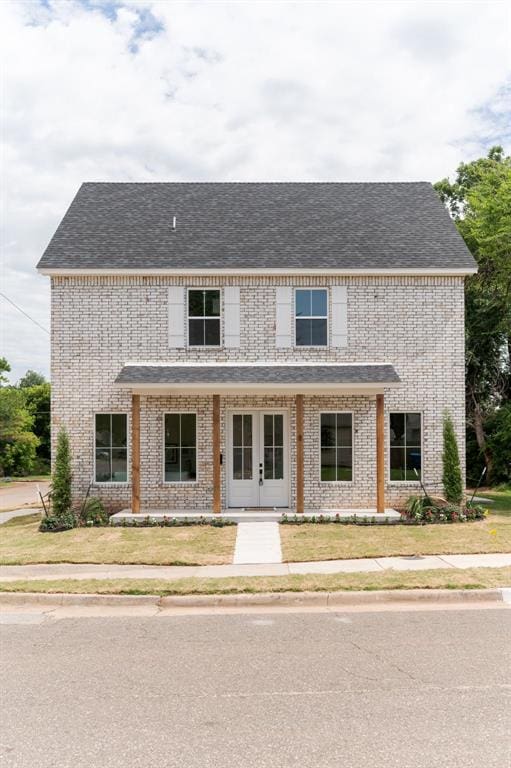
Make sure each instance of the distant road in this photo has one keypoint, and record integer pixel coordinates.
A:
(395, 689)
(16, 495)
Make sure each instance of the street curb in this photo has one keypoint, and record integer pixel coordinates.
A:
(263, 599)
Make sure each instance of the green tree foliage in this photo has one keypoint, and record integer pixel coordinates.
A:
(18, 444)
(479, 201)
(38, 403)
(62, 516)
(451, 474)
(31, 379)
(4, 368)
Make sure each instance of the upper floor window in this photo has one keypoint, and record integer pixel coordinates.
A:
(203, 318)
(311, 317)
(405, 446)
(111, 448)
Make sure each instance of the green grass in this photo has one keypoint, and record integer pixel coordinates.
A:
(473, 578)
(331, 541)
(501, 498)
(26, 479)
(21, 543)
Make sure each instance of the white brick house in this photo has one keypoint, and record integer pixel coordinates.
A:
(256, 345)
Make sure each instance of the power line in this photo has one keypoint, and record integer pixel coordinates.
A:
(24, 313)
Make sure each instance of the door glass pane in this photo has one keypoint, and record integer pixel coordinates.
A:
(212, 333)
(247, 463)
(268, 429)
(268, 463)
(103, 473)
(102, 429)
(196, 333)
(237, 429)
(119, 429)
(247, 429)
(278, 426)
(237, 463)
(119, 465)
(278, 463)
(188, 430)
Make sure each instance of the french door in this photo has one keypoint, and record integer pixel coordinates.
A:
(258, 459)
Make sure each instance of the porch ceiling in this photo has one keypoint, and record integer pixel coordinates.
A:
(364, 378)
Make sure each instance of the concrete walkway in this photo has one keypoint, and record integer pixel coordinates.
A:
(257, 543)
(90, 571)
(5, 516)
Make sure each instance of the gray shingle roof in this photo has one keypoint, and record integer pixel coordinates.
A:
(259, 225)
(257, 374)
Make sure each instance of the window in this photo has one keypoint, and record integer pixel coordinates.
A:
(311, 313)
(405, 446)
(336, 447)
(111, 448)
(180, 448)
(203, 318)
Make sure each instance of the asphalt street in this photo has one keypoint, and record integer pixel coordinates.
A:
(399, 688)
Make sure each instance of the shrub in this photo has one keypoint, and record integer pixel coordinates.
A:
(451, 475)
(62, 523)
(423, 510)
(93, 513)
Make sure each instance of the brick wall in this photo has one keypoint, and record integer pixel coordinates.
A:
(414, 323)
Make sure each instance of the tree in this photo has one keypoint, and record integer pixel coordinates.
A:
(61, 479)
(31, 379)
(451, 475)
(38, 403)
(17, 442)
(479, 201)
(4, 368)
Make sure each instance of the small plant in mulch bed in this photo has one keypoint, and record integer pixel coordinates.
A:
(337, 519)
(422, 510)
(175, 522)
(93, 513)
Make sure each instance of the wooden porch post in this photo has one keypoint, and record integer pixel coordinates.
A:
(380, 454)
(217, 498)
(299, 453)
(135, 454)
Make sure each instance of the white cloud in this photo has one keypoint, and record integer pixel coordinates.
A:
(230, 91)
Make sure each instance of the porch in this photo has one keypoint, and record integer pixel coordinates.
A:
(258, 439)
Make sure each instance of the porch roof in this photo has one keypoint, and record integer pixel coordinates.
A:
(196, 378)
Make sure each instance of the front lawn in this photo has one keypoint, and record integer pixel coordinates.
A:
(472, 578)
(501, 498)
(21, 543)
(332, 541)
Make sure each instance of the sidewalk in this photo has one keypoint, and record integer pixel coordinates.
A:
(90, 571)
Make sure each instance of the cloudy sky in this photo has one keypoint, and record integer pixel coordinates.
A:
(161, 90)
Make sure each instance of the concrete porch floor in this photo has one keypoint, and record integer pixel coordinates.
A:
(254, 515)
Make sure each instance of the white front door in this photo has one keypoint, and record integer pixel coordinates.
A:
(258, 459)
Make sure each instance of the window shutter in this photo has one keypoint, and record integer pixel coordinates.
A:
(339, 316)
(176, 316)
(283, 320)
(231, 316)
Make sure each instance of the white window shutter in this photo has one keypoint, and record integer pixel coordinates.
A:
(283, 320)
(339, 333)
(232, 316)
(176, 316)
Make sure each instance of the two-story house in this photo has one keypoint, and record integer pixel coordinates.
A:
(263, 345)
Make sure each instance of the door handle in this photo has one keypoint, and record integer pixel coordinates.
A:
(261, 481)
